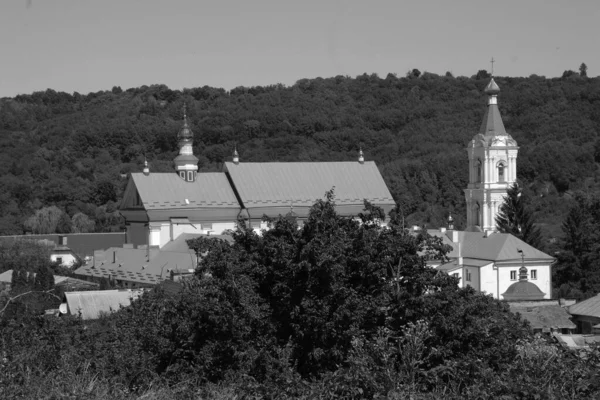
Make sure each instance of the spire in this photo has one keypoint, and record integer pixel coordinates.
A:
(522, 270)
(492, 124)
(361, 156)
(236, 156)
(146, 170)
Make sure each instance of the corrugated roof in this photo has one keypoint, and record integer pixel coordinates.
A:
(494, 247)
(544, 316)
(302, 183)
(589, 307)
(159, 191)
(92, 303)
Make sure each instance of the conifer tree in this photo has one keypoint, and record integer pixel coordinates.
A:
(514, 217)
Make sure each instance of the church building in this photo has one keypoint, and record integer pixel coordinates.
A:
(158, 207)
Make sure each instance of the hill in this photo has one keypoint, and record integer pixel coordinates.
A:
(73, 151)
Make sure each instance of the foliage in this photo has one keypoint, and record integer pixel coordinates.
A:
(515, 217)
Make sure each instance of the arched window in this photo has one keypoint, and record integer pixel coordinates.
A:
(477, 214)
(501, 172)
(478, 171)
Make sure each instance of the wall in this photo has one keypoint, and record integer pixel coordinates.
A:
(67, 259)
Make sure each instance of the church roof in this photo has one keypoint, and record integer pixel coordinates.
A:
(302, 183)
(166, 190)
(589, 307)
(495, 247)
(492, 131)
(523, 290)
(492, 124)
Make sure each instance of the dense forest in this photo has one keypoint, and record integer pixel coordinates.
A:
(334, 310)
(65, 157)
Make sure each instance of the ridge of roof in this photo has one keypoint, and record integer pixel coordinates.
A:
(589, 307)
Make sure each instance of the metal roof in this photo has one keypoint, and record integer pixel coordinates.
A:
(544, 316)
(492, 124)
(495, 247)
(166, 190)
(92, 303)
(302, 183)
(589, 307)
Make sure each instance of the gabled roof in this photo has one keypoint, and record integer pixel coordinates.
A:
(495, 247)
(166, 190)
(91, 304)
(302, 183)
(589, 307)
(544, 316)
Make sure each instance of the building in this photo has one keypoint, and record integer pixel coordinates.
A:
(95, 303)
(159, 207)
(492, 166)
(491, 263)
(586, 314)
(545, 316)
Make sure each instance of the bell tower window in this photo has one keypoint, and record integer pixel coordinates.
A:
(478, 171)
(501, 172)
(477, 215)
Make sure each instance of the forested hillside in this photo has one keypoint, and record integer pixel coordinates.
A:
(73, 151)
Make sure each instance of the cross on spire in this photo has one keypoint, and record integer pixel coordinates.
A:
(493, 61)
(184, 110)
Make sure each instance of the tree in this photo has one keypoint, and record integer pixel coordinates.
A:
(44, 220)
(583, 70)
(81, 223)
(515, 218)
(482, 74)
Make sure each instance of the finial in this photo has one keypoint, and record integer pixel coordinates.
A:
(492, 61)
(450, 222)
(146, 170)
(236, 156)
(522, 270)
(361, 156)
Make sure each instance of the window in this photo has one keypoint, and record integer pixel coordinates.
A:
(478, 170)
(207, 226)
(477, 214)
(138, 200)
(182, 174)
(190, 176)
(59, 260)
(468, 276)
(534, 274)
(513, 275)
(501, 172)
(455, 274)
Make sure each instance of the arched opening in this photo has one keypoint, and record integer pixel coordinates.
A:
(477, 214)
(478, 171)
(501, 172)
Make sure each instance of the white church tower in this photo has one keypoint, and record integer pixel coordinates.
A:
(186, 163)
(492, 166)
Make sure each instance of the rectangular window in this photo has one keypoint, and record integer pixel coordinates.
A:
(534, 274)
(206, 226)
(468, 276)
(182, 174)
(513, 275)
(59, 260)
(190, 174)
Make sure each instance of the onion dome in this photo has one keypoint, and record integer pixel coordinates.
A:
(291, 214)
(492, 89)
(523, 289)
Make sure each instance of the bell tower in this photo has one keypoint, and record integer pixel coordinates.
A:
(492, 166)
(186, 163)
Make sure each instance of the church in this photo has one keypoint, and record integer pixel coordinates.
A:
(163, 209)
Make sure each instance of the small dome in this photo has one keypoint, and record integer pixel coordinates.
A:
(523, 290)
(492, 88)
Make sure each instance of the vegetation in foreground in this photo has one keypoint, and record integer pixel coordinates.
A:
(336, 309)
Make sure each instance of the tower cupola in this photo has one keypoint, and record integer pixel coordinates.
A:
(186, 163)
(361, 156)
(236, 156)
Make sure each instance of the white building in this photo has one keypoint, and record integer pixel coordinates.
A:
(492, 166)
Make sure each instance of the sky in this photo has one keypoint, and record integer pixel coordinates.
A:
(91, 45)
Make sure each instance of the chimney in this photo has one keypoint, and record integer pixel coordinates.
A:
(454, 236)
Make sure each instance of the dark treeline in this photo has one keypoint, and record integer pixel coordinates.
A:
(72, 151)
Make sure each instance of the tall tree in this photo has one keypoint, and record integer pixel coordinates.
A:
(515, 217)
(583, 70)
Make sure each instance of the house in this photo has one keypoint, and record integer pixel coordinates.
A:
(545, 316)
(62, 254)
(93, 304)
(586, 314)
(143, 266)
(158, 207)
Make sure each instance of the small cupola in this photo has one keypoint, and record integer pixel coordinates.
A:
(186, 163)
(236, 156)
(361, 156)
(450, 222)
(146, 169)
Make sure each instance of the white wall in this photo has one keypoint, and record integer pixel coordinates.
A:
(67, 259)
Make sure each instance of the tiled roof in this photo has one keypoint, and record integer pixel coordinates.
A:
(544, 316)
(166, 190)
(589, 307)
(495, 247)
(92, 303)
(302, 183)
